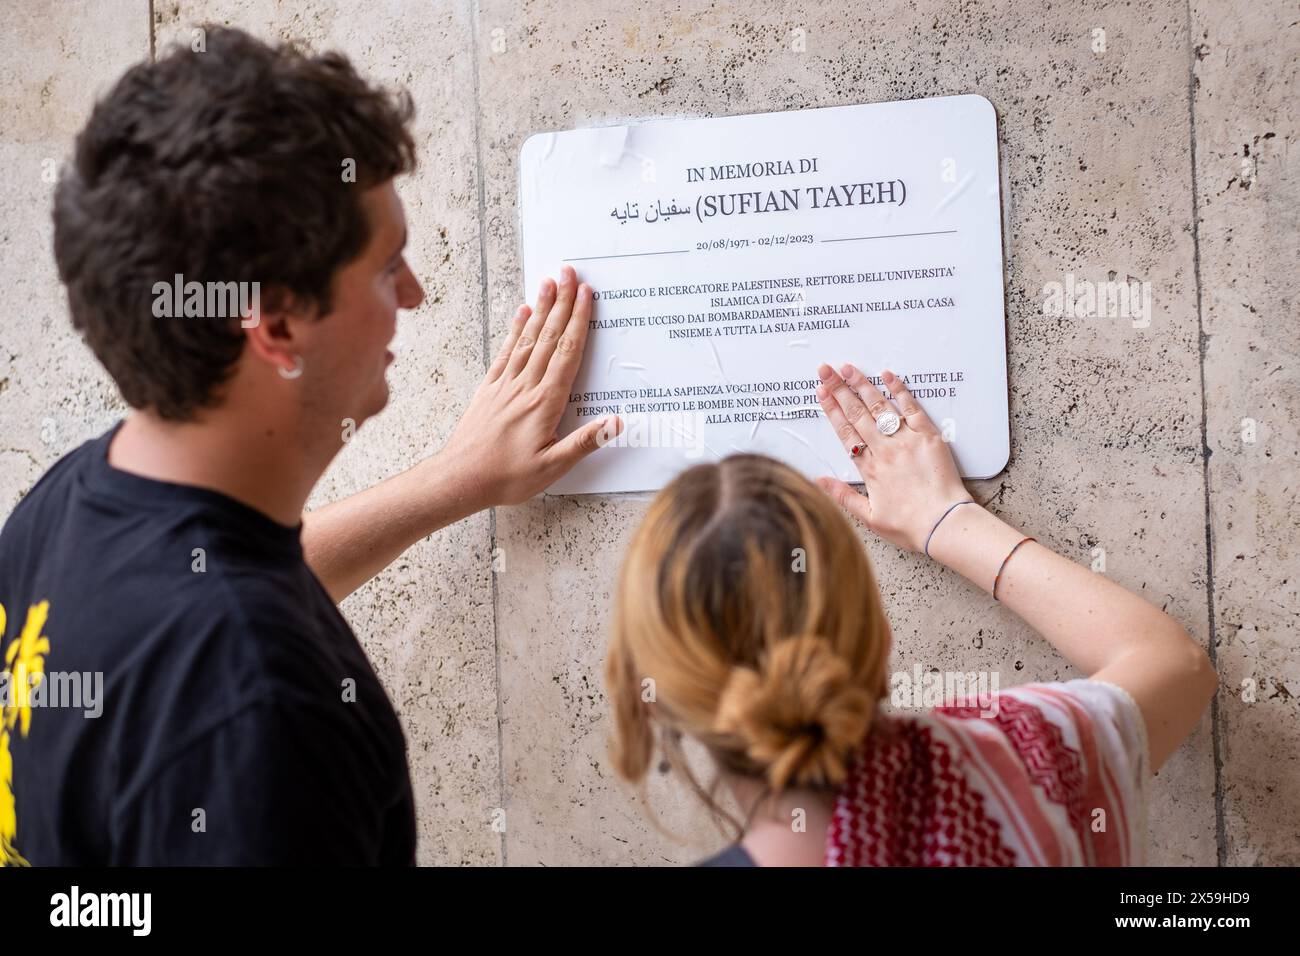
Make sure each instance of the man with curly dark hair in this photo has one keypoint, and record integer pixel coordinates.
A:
(231, 242)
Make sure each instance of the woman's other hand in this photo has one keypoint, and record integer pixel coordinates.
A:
(911, 478)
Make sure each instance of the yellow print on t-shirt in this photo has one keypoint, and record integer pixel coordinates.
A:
(24, 664)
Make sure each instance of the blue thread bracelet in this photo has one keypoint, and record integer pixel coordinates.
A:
(968, 501)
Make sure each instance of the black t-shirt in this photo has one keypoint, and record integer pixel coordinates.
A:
(240, 720)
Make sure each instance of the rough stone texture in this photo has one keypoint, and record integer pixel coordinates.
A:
(1247, 192)
(1105, 416)
(53, 394)
(1125, 161)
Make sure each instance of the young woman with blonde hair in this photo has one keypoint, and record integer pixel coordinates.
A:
(747, 603)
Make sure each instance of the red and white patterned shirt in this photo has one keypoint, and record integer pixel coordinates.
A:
(1054, 775)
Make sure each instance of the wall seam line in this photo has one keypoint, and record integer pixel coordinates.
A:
(473, 10)
(1220, 835)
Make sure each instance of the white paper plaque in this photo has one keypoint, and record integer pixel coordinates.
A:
(732, 256)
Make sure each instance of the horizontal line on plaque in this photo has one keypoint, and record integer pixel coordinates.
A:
(627, 255)
(900, 235)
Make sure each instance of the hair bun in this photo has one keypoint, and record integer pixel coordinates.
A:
(800, 716)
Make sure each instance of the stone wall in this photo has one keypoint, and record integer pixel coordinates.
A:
(1149, 141)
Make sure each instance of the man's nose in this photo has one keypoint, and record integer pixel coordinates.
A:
(409, 293)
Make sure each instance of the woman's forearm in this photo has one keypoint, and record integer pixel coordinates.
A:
(1090, 619)
(1105, 631)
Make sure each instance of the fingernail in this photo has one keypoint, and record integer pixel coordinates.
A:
(888, 375)
(823, 372)
(846, 370)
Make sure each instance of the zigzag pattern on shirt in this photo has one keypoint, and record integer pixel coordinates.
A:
(1052, 764)
(907, 803)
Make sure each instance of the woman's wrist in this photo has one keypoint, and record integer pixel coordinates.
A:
(973, 542)
(958, 500)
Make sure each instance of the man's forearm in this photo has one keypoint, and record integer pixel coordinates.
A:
(348, 542)
(504, 450)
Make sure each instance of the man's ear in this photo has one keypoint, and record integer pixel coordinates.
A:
(270, 327)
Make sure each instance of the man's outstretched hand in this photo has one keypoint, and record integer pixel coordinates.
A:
(506, 447)
(504, 450)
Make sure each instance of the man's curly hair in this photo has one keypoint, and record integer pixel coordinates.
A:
(226, 165)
